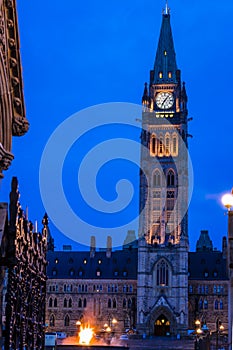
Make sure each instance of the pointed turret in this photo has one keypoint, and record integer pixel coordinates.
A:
(165, 67)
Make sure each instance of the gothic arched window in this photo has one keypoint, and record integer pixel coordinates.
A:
(157, 179)
(124, 303)
(200, 304)
(205, 304)
(70, 303)
(153, 147)
(174, 145)
(109, 303)
(85, 302)
(50, 302)
(170, 178)
(216, 305)
(67, 321)
(55, 302)
(79, 302)
(162, 271)
(114, 304)
(167, 145)
(65, 302)
(161, 147)
(52, 321)
(221, 305)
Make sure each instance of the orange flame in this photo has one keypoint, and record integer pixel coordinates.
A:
(85, 335)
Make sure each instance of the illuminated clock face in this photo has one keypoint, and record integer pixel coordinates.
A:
(164, 100)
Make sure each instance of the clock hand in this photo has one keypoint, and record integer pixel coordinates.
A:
(165, 100)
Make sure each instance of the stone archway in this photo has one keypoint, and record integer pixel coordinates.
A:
(162, 326)
(162, 322)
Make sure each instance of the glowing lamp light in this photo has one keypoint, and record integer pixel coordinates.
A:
(197, 322)
(199, 331)
(227, 200)
(108, 329)
(114, 321)
(221, 328)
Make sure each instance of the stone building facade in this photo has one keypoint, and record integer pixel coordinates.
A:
(162, 301)
(75, 292)
(12, 113)
(93, 287)
(208, 284)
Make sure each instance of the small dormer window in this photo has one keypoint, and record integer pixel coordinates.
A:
(165, 53)
(160, 75)
(169, 75)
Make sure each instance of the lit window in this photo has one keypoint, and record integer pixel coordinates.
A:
(165, 53)
(161, 146)
(56, 261)
(174, 149)
(169, 75)
(71, 272)
(98, 273)
(160, 75)
(85, 261)
(167, 145)
(99, 261)
(125, 273)
(205, 304)
(206, 274)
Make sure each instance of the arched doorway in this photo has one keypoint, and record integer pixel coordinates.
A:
(162, 326)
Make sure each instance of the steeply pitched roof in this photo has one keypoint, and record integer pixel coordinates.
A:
(67, 265)
(207, 265)
(204, 242)
(165, 60)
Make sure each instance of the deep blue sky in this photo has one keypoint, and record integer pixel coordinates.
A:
(77, 54)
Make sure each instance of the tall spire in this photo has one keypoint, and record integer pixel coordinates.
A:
(167, 10)
(165, 62)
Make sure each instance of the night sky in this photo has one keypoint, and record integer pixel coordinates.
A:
(76, 54)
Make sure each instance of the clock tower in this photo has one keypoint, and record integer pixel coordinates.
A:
(163, 228)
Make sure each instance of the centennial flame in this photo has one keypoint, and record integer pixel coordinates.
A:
(85, 335)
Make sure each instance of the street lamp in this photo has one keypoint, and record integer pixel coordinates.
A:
(78, 325)
(227, 201)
